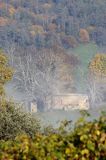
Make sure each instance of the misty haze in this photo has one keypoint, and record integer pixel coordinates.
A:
(53, 60)
(56, 48)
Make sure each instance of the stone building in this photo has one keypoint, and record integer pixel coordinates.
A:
(68, 101)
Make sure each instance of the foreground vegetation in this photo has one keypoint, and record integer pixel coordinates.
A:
(86, 142)
(15, 122)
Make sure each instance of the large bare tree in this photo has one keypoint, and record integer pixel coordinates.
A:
(43, 73)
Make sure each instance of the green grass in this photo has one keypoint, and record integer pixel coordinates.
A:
(85, 53)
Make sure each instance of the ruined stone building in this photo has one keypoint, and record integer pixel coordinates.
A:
(68, 101)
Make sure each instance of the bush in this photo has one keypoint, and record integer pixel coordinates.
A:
(14, 121)
(86, 142)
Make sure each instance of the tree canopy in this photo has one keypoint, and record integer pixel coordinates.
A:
(98, 65)
(6, 72)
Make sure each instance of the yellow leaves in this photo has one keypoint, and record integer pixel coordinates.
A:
(12, 10)
(97, 132)
(103, 137)
(1, 90)
(9, 8)
(3, 101)
(36, 29)
(85, 151)
(3, 59)
(83, 138)
(67, 151)
(98, 65)
(76, 156)
(46, 147)
(83, 158)
(5, 72)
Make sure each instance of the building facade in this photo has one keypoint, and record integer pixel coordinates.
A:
(68, 102)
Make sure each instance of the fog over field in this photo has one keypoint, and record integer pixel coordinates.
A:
(56, 48)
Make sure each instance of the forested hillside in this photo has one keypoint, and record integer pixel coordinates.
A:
(47, 23)
(51, 43)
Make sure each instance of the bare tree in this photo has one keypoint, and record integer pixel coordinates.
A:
(94, 91)
(40, 75)
(10, 49)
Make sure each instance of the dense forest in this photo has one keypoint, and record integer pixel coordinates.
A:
(47, 23)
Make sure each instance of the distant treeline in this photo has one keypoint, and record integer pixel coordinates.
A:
(47, 23)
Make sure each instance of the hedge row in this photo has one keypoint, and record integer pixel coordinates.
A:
(87, 141)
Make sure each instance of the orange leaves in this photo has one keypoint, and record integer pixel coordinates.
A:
(3, 21)
(52, 27)
(84, 35)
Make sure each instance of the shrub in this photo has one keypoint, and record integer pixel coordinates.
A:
(86, 142)
(98, 66)
(14, 121)
(6, 72)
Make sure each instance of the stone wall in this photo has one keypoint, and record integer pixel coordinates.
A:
(33, 107)
(68, 101)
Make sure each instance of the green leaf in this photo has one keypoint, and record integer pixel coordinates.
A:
(91, 146)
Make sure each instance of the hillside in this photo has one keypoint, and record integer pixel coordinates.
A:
(51, 43)
(53, 22)
(52, 79)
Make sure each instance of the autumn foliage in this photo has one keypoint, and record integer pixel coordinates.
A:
(84, 35)
(98, 65)
(79, 20)
(86, 142)
(6, 72)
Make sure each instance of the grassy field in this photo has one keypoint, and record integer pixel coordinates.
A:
(54, 117)
(84, 52)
